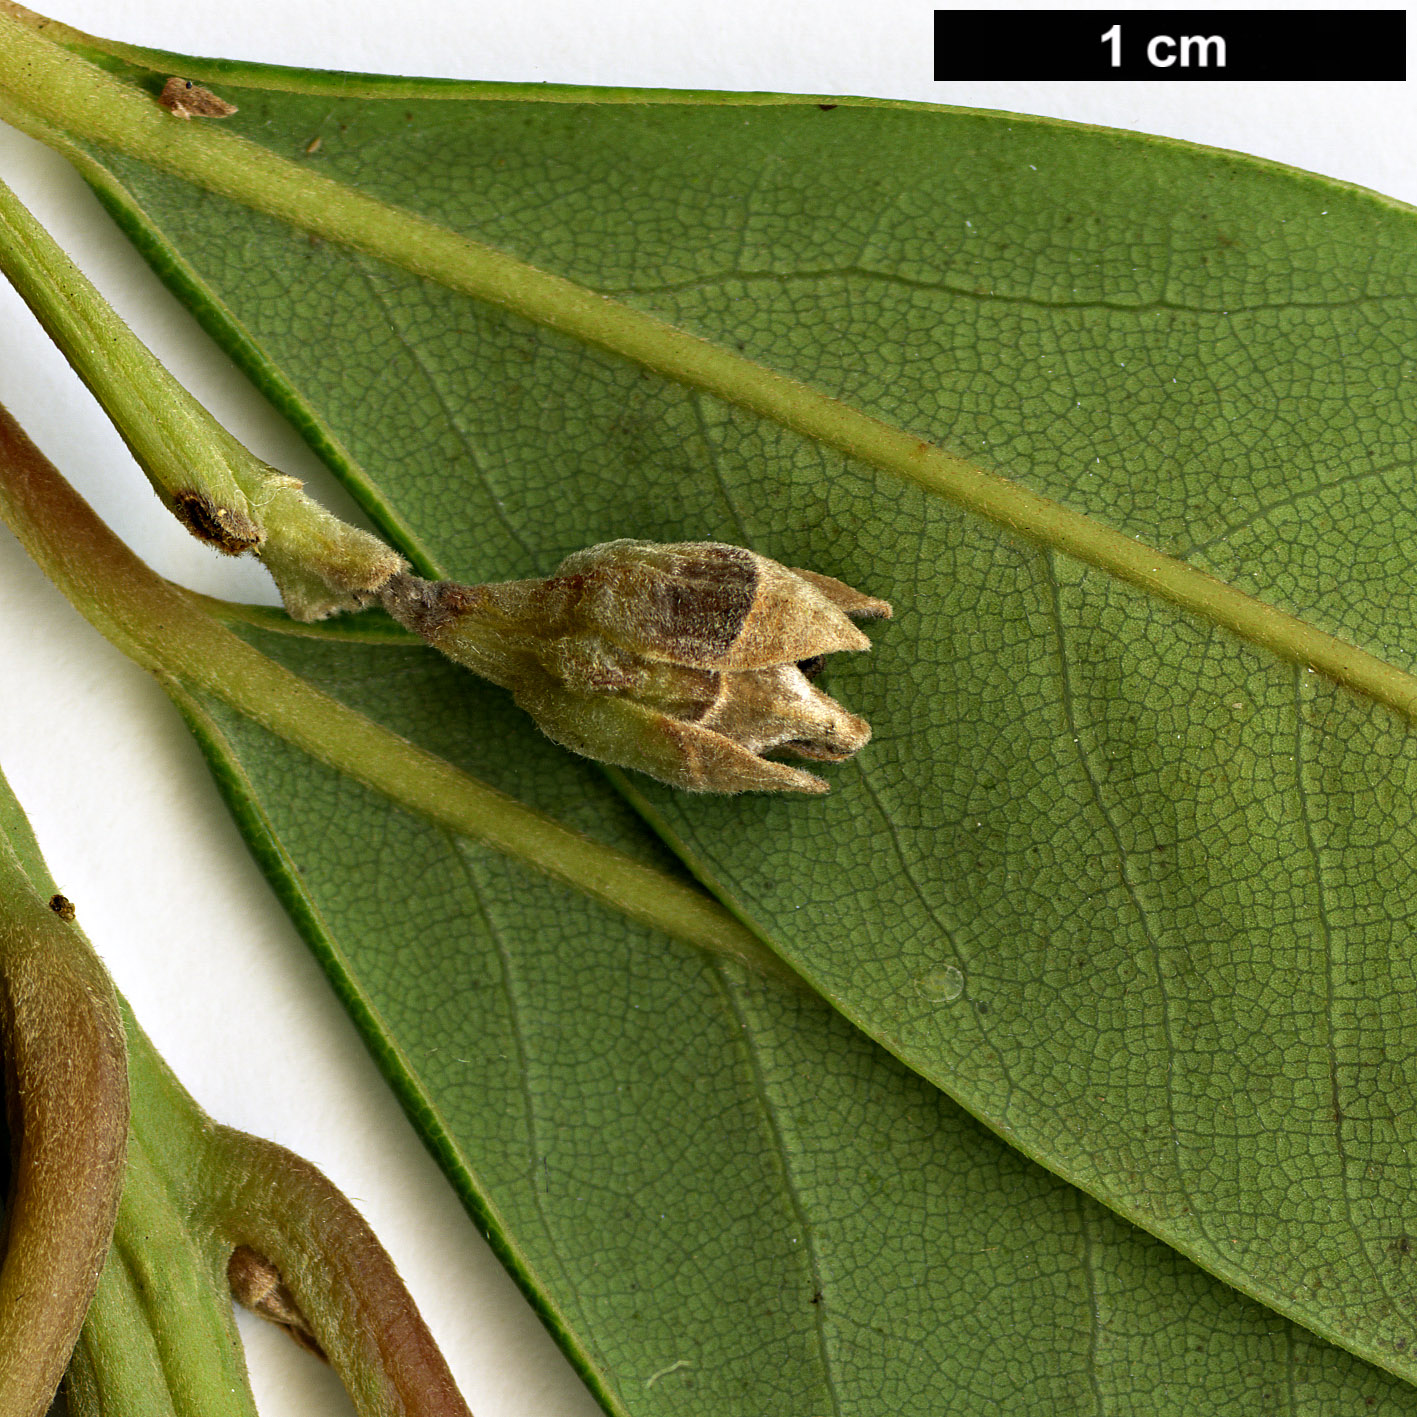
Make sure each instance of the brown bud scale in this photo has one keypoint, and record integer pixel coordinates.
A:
(256, 1283)
(690, 661)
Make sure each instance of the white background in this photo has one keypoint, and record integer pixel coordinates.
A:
(122, 802)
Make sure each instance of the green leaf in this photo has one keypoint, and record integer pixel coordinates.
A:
(907, 1293)
(1168, 869)
(996, 1255)
(722, 1197)
(164, 629)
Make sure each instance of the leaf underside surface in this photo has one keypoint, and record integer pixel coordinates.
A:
(723, 1197)
(1133, 891)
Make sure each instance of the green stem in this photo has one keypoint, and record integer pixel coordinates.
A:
(210, 1189)
(161, 1332)
(159, 1336)
(213, 484)
(43, 87)
(118, 1368)
(154, 1343)
(203, 474)
(162, 628)
(278, 1206)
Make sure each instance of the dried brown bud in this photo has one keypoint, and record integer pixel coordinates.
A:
(256, 1283)
(188, 100)
(688, 661)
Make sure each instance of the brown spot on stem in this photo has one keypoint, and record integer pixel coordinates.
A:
(230, 531)
(184, 99)
(256, 1283)
(62, 906)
